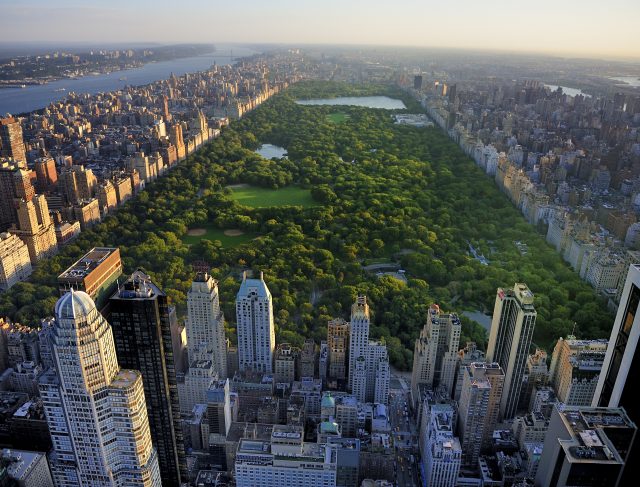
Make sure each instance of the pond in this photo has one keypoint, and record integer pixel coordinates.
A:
(358, 101)
(480, 317)
(268, 151)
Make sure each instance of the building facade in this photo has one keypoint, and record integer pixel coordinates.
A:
(205, 324)
(15, 264)
(482, 388)
(143, 323)
(514, 319)
(255, 326)
(96, 411)
(435, 354)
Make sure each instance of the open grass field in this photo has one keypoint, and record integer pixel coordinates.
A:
(228, 238)
(338, 117)
(263, 197)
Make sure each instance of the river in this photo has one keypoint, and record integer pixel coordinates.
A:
(34, 97)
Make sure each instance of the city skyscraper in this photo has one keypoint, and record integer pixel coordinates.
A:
(143, 323)
(369, 372)
(46, 174)
(255, 326)
(586, 446)
(15, 264)
(358, 339)
(338, 346)
(35, 228)
(514, 319)
(575, 369)
(205, 324)
(616, 386)
(435, 354)
(96, 411)
(442, 451)
(12, 142)
(482, 387)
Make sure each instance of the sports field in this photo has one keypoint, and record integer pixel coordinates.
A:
(263, 197)
(338, 117)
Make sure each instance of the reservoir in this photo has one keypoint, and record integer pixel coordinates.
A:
(567, 91)
(34, 97)
(358, 101)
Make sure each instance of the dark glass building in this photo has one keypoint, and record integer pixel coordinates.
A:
(142, 323)
(616, 387)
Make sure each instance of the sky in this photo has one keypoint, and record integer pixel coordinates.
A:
(583, 28)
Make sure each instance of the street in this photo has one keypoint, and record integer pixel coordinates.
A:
(404, 433)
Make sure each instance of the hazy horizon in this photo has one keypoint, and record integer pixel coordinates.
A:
(583, 29)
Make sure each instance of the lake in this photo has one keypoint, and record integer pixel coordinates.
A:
(628, 80)
(34, 97)
(567, 91)
(480, 317)
(268, 151)
(358, 101)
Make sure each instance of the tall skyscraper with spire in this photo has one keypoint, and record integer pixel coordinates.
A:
(255, 326)
(143, 324)
(514, 319)
(96, 411)
(205, 324)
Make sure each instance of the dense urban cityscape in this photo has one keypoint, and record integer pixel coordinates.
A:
(299, 264)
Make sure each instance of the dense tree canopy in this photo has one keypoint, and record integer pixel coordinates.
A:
(384, 193)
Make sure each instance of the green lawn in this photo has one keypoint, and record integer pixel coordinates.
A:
(263, 197)
(338, 117)
(213, 233)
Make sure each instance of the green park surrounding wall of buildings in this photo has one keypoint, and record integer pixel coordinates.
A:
(348, 195)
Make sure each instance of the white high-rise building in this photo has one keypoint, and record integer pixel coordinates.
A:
(205, 324)
(358, 337)
(442, 452)
(255, 327)
(200, 376)
(369, 372)
(435, 355)
(15, 264)
(96, 411)
(285, 460)
(378, 373)
(514, 319)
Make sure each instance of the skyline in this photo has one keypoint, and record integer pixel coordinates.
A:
(575, 29)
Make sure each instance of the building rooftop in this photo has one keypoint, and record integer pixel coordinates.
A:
(253, 286)
(589, 428)
(125, 378)
(20, 461)
(138, 286)
(74, 305)
(87, 263)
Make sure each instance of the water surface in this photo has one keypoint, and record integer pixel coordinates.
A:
(34, 97)
(268, 151)
(567, 90)
(358, 101)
